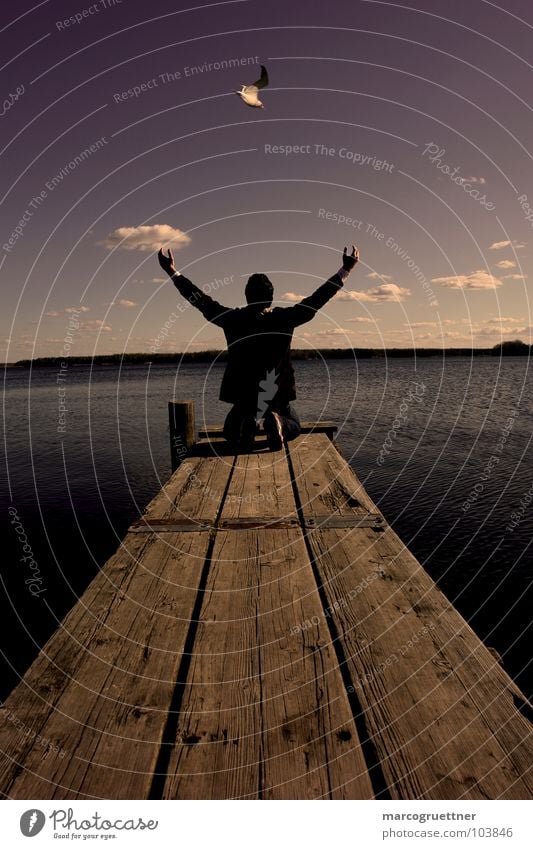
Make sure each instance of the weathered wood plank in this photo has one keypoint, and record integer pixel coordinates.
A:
(431, 737)
(35, 697)
(325, 481)
(194, 491)
(74, 672)
(426, 718)
(260, 708)
(260, 487)
(264, 712)
(499, 701)
(108, 707)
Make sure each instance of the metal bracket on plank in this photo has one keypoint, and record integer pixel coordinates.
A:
(151, 526)
(148, 526)
(370, 520)
(249, 523)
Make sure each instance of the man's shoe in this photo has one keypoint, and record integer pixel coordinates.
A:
(247, 432)
(274, 431)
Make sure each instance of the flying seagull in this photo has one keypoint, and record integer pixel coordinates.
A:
(248, 93)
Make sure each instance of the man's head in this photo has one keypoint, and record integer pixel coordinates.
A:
(259, 290)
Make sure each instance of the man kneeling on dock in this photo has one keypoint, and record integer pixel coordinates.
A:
(259, 377)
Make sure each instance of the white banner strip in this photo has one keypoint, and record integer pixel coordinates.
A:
(262, 825)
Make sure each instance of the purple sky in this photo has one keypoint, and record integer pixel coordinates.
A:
(388, 106)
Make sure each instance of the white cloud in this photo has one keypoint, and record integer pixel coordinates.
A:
(451, 334)
(506, 263)
(497, 246)
(361, 320)
(159, 280)
(334, 331)
(380, 294)
(492, 331)
(385, 292)
(147, 237)
(67, 311)
(500, 318)
(474, 280)
(421, 324)
(291, 296)
(125, 303)
(375, 276)
(338, 335)
(514, 277)
(95, 324)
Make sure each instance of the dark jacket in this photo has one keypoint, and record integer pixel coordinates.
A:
(259, 343)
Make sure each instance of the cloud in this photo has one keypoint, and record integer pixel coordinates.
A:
(375, 276)
(159, 280)
(95, 324)
(506, 263)
(514, 277)
(492, 331)
(361, 320)
(385, 292)
(474, 280)
(291, 296)
(319, 337)
(451, 334)
(67, 311)
(421, 324)
(334, 331)
(500, 318)
(497, 246)
(147, 237)
(125, 303)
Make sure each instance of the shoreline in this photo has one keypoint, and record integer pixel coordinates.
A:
(146, 358)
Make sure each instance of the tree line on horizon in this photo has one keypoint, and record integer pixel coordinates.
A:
(510, 348)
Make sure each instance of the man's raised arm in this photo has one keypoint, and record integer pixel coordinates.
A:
(210, 309)
(306, 309)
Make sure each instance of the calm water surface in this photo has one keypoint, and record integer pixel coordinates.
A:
(77, 492)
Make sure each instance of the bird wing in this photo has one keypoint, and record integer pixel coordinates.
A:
(263, 79)
(250, 89)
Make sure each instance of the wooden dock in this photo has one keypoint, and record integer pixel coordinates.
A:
(262, 633)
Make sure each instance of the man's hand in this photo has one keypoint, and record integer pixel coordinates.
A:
(348, 261)
(166, 262)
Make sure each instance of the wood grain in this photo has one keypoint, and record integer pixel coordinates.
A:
(422, 676)
(279, 662)
(105, 700)
(265, 714)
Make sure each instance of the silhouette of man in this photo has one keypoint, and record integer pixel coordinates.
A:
(259, 377)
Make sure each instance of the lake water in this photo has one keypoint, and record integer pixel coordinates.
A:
(443, 447)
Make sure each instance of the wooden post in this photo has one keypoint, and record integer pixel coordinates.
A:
(182, 430)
